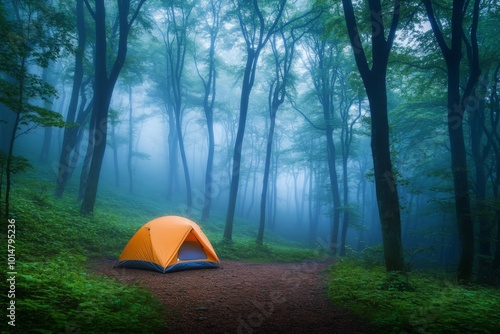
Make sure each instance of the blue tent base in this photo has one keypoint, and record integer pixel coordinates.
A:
(135, 264)
(192, 265)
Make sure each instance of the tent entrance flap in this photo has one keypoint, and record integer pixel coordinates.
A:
(191, 250)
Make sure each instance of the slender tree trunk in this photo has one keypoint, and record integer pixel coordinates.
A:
(374, 80)
(460, 177)
(334, 185)
(103, 89)
(65, 168)
(208, 107)
(265, 183)
(479, 154)
(84, 174)
(8, 168)
(255, 42)
(236, 166)
(173, 147)
(114, 146)
(187, 179)
(19, 110)
(209, 183)
(385, 185)
(102, 98)
(345, 222)
(130, 140)
(48, 77)
(453, 55)
(495, 266)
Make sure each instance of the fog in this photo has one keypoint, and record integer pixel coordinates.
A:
(300, 208)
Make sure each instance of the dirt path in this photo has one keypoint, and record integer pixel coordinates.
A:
(244, 298)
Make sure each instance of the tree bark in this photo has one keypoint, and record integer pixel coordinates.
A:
(235, 173)
(374, 80)
(334, 183)
(255, 42)
(173, 149)
(208, 106)
(130, 140)
(265, 182)
(65, 168)
(456, 108)
(103, 90)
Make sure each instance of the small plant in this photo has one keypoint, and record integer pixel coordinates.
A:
(397, 281)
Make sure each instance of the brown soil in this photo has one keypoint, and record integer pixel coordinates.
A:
(244, 298)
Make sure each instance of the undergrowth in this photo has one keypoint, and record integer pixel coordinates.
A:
(55, 293)
(430, 305)
(245, 249)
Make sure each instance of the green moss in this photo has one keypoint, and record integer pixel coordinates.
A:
(430, 306)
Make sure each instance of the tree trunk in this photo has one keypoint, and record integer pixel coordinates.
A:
(479, 154)
(456, 108)
(114, 146)
(130, 140)
(99, 128)
(8, 168)
(460, 178)
(235, 174)
(385, 184)
(255, 40)
(374, 80)
(334, 185)
(180, 139)
(265, 183)
(47, 76)
(209, 184)
(103, 90)
(65, 168)
(173, 147)
(208, 107)
(345, 222)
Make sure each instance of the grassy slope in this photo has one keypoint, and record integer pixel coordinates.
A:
(54, 290)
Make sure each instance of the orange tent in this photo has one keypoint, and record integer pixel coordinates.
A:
(167, 244)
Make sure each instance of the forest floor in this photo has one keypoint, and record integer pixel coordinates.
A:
(243, 297)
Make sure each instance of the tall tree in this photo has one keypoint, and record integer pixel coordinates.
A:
(346, 99)
(65, 168)
(175, 39)
(456, 104)
(282, 43)
(104, 85)
(257, 26)
(374, 80)
(212, 22)
(283, 50)
(322, 55)
(26, 44)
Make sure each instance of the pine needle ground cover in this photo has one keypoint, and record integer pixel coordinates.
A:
(425, 304)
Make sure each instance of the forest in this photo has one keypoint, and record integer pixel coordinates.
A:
(359, 136)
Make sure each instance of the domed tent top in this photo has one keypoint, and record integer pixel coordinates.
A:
(167, 244)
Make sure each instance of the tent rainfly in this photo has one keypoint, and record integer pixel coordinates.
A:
(168, 244)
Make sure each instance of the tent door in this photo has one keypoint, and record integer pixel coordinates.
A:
(191, 250)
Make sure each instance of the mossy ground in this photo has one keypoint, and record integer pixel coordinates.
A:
(425, 304)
